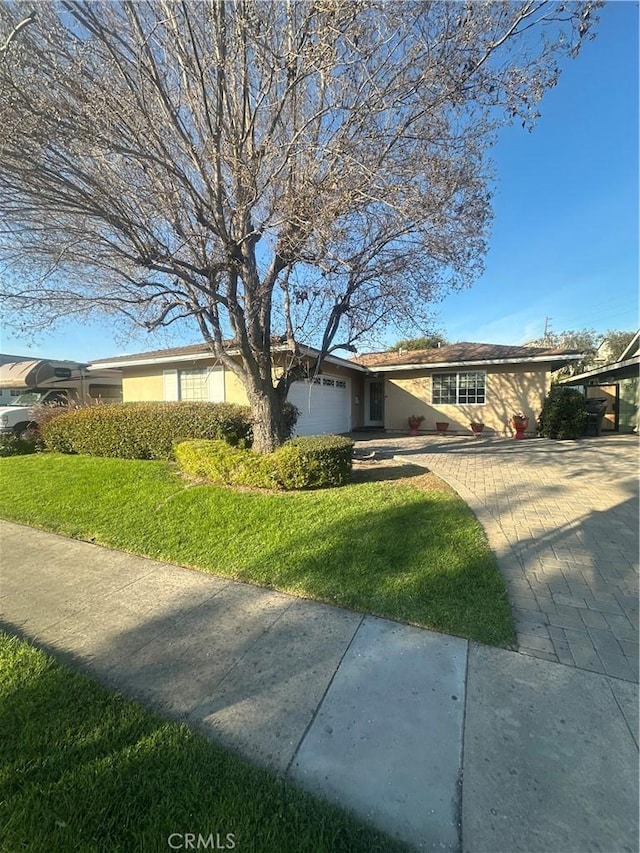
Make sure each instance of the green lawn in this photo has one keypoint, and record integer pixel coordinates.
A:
(82, 768)
(389, 548)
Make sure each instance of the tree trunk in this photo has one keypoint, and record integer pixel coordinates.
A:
(269, 429)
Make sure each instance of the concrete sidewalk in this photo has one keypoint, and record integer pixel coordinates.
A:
(444, 743)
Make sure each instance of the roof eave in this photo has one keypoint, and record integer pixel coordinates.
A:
(604, 370)
(333, 359)
(539, 359)
(207, 355)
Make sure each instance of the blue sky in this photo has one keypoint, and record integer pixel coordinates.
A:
(565, 233)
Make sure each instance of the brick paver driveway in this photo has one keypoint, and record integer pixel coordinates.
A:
(562, 518)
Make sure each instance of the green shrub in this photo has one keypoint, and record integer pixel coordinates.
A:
(145, 430)
(312, 462)
(11, 445)
(291, 414)
(564, 413)
(219, 462)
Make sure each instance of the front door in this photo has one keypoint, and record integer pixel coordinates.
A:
(374, 402)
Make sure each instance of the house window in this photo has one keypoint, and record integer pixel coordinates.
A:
(458, 388)
(193, 384)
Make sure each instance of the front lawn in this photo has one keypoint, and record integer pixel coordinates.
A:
(391, 548)
(82, 768)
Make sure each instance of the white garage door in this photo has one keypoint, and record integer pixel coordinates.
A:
(324, 403)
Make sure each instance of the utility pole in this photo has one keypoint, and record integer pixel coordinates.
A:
(547, 330)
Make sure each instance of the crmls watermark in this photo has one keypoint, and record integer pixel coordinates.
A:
(197, 841)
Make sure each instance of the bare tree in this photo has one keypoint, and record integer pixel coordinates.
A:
(271, 171)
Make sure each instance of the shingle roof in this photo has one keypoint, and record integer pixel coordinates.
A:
(452, 353)
(464, 351)
(192, 349)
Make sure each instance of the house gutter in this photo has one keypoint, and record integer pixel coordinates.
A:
(477, 364)
(144, 362)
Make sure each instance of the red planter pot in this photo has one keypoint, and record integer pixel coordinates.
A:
(520, 425)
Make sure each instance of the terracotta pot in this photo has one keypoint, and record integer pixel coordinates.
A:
(520, 425)
(442, 427)
(414, 423)
(476, 428)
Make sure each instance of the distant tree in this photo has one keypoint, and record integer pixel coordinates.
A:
(266, 171)
(583, 340)
(586, 341)
(618, 342)
(427, 342)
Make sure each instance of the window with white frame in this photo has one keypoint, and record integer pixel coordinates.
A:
(193, 384)
(458, 388)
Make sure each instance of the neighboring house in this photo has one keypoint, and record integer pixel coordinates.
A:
(603, 354)
(619, 384)
(459, 383)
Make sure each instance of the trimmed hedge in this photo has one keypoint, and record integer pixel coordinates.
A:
(564, 413)
(10, 445)
(314, 462)
(145, 430)
(311, 462)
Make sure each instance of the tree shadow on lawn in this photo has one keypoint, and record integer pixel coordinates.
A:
(418, 557)
(409, 562)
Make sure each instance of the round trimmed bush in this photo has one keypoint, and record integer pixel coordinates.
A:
(564, 413)
(311, 462)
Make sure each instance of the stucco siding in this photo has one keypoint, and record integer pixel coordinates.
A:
(357, 401)
(233, 389)
(508, 390)
(142, 384)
